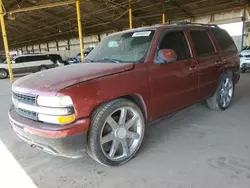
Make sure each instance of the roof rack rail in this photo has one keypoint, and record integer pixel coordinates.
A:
(190, 23)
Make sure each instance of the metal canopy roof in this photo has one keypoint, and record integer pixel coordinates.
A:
(98, 16)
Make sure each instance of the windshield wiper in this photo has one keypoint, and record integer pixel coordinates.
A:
(110, 60)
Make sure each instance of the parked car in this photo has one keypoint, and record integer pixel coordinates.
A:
(245, 59)
(77, 58)
(130, 79)
(26, 63)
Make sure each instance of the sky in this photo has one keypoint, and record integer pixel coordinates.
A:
(233, 29)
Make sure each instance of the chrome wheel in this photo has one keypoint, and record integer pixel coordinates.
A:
(3, 74)
(121, 134)
(226, 92)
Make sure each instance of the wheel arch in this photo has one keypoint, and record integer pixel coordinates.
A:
(138, 100)
(135, 98)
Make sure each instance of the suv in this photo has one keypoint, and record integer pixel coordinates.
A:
(130, 79)
(26, 63)
(245, 59)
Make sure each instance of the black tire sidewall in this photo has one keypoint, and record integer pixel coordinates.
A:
(3, 70)
(223, 77)
(97, 123)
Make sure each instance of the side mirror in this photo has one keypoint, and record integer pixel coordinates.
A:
(166, 56)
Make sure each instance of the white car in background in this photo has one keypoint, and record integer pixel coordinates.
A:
(27, 63)
(245, 59)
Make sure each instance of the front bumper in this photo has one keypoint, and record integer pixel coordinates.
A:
(68, 141)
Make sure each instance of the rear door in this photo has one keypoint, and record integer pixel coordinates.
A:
(208, 59)
(228, 49)
(174, 85)
(20, 65)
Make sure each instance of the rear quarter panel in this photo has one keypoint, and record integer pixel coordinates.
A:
(88, 95)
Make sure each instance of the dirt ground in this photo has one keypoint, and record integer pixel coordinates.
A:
(195, 148)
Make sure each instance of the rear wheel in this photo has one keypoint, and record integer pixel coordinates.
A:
(3, 74)
(42, 68)
(116, 132)
(224, 94)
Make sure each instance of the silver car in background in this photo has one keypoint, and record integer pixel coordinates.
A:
(26, 64)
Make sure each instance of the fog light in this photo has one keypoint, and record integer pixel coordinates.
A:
(56, 119)
(66, 119)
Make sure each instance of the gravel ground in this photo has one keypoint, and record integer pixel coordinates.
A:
(195, 148)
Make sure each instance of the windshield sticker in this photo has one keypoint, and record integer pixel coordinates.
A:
(141, 34)
(113, 44)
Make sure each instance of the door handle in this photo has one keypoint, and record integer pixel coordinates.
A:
(217, 62)
(192, 68)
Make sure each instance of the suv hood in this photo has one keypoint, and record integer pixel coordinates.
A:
(51, 81)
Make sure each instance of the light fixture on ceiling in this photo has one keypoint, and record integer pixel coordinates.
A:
(11, 17)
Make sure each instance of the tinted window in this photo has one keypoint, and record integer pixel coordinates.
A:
(20, 60)
(176, 41)
(202, 42)
(224, 40)
(55, 57)
(36, 58)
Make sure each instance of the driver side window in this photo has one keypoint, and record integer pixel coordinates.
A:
(176, 41)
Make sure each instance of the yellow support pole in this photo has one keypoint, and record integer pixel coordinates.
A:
(78, 13)
(163, 13)
(5, 41)
(130, 16)
(163, 18)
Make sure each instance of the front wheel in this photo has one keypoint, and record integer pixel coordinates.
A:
(243, 70)
(223, 95)
(3, 74)
(116, 132)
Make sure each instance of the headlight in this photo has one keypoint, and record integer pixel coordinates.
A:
(54, 101)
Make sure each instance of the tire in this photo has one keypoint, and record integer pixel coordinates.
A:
(112, 139)
(243, 70)
(223, 95)
(3, 74)
(42, 68)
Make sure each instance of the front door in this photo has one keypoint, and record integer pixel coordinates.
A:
(174, 85)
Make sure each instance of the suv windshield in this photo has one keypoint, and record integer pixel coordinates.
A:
(122, 48)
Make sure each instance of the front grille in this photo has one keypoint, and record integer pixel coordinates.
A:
(28, 99)
(27, 114)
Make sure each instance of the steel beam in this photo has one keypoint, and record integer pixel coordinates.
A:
(39, 7)
(5, 41)
(78, 13)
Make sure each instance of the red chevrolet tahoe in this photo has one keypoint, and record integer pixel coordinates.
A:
(102, 106)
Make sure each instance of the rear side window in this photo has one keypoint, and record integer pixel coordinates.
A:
(224, 40)
(176, 41)
(37, 58)
(202, 43)
(20, 59)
